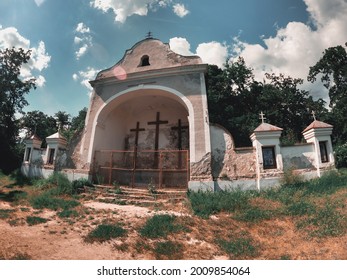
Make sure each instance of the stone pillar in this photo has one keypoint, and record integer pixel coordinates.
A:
(55, 142)
(266, 141)
(34, 142)
(319, 134)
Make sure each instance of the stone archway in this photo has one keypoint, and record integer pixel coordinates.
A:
(138, 123)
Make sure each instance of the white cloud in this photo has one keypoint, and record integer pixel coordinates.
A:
(85, 76)
(180, 45)
(180, 10)
(40, 81)
(82, 28)
(39, 2)
(39, 60)
(81, 51)
(297, 46)
(123, 9)
(84, 40)
(211, 52)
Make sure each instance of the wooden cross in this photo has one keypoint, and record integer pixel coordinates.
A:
(137, 130)
(157, 122)
(262, 117)
(314, 115)
(179, 129)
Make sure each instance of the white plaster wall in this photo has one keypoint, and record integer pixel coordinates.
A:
(298, 156)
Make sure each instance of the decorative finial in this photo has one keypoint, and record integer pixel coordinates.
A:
(314, 115)
(262, 117)
(149, 35)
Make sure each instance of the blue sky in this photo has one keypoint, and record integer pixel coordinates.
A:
(72, 40)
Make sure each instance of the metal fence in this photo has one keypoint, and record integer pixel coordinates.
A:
(162, 168)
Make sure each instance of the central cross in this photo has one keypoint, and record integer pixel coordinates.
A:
(157, 122)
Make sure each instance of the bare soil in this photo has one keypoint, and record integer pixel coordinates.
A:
(64, 238)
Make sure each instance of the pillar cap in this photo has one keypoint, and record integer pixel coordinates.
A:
(267, 127)
(317, 125)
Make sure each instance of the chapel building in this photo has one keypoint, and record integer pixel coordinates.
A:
(148, 123)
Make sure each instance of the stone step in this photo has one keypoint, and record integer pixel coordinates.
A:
(138, 196)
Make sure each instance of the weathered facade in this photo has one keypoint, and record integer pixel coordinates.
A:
(148, 123)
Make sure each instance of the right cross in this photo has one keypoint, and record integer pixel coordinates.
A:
(262, 117)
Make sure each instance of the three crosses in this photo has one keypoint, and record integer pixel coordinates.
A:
(157, 123)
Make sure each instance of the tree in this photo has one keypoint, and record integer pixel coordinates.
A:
(63, 119)
(289, 107)
(332, 67)
(36, 122)
(12, 101)
(235, 100)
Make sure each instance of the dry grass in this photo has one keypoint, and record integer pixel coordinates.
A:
(272, 226)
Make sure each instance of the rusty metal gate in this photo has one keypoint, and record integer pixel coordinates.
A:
(162, 168)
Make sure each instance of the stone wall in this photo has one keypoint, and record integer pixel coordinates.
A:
(300, 156)
(229, 163)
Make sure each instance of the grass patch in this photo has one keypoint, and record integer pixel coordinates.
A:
(300, 208)
(5, 213)
(160, 226)
(105, 232)
(168, 250)
(326, 222)
(239, 247)
(255, 214)
(205, 204)
(35, 220)
(13, 196)
(68, 213)
(45, 200)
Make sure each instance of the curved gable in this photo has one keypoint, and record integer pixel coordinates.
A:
(148, 54)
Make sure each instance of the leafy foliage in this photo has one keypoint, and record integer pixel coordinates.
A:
(12, 101)
(332, 67)
(235, 100)
(341, 156)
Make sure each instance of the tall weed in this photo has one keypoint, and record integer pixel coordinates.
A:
(205, 204)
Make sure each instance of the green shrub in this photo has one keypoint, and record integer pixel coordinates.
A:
(19, 178)
(254, 214)
(168, 249)
(45, 200)
(341, 156)
(329, 183)
(79, 184)
(5, 213)
(160, 226)
(205, 204)
(67, 213)
(291, 179)
(239, 247)
(34, 220)
(105, 232)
